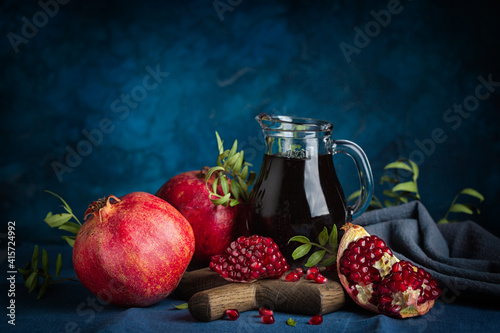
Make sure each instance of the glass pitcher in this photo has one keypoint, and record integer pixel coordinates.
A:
(297, 191)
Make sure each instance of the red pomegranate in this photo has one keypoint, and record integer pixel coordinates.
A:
(378, 281)
(132, 250)
(214, 226)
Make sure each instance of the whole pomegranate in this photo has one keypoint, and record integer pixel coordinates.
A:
(378, 281)
(214, 226)
(132, 250)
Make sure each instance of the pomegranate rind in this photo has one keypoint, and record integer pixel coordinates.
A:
(408, 300)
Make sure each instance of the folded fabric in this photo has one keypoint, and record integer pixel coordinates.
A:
(463, 257)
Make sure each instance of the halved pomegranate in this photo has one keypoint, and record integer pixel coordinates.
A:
(378, 281)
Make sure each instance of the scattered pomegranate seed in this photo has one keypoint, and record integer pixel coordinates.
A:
(320, 278)
(232, 314)
(314, 270)
(299, 271)
(265, 312)
(312, 273)
(316, 320)
(267, 319)
(292, 277)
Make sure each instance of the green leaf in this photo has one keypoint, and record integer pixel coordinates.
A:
(406, 186)
(291, 322)
(238, 164)
(329, 261)
(44, 287)
(182, 306)
(224, 184)
(300, 239)
(301, 251)
(71, 227)
(443, 221)
(388, 203)
(58, 264)
(233, 202)
(244, 187)
(214, 185)
(354, 195)
(390, 194)
(415, 170)
(315, 258)
(235, 190)
(222, 200)
(332, 241)
(244, 172)
(34, 258)
(211, 171)
(45, 261)
(460, 208)
(32, 281)
(387, 179)
(70, 240)
(398, 165)
(220, 145)
(472, 192)
(57, 219)
(234, 148)
(232, 160)
(323, 236)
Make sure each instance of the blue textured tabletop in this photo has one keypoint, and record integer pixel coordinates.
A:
(469, 286)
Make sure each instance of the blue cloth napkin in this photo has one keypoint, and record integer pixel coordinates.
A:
(463, 257)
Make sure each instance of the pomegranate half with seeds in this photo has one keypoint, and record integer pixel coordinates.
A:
(378, 281)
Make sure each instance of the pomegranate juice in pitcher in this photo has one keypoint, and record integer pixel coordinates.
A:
(297, 191)
(294, 196)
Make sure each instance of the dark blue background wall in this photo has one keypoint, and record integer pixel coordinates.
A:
(86, 67)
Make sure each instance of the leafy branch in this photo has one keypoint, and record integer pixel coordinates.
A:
(327, 248)
(405, 191)
(32, 273)
(231, 175)
(62, 221)
(462, 208)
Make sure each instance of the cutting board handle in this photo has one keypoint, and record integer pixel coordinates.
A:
(211, 304)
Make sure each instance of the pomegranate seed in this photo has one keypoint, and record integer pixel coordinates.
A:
(299, 271)
(316, 320)
(232, 314)
(313, 269)
(292, 277)
(265, 312)
(320, 278)
(267, 319)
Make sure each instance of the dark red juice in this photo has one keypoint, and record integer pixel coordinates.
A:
(294, 196)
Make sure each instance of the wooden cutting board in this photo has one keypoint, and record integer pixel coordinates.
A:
(210, 295)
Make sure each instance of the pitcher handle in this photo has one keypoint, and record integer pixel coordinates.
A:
(364, 172)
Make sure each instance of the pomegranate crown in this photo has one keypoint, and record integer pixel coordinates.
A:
(96, 206)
